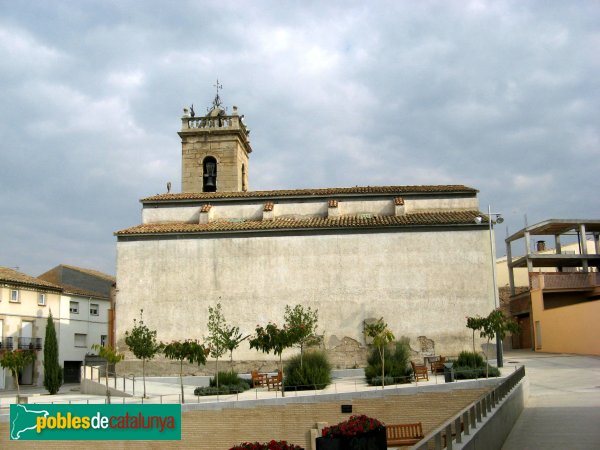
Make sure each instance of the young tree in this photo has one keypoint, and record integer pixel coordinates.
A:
(232, 338)
(188, 350)
(142, 343)
(16, 361)
(216, 327)
(302, 326)
(382, 336)
(272, 339)
(475, 324)
(53, 374)
(112, 357)
(496, 324)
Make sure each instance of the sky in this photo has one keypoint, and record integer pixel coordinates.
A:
(501, 96)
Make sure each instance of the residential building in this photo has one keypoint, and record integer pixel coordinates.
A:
(85, 312)
(25, 303)
(558, 307)
(413, 255)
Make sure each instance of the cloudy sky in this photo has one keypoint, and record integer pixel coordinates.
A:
(500, 96)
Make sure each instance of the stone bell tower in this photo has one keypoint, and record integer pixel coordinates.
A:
(214, 150)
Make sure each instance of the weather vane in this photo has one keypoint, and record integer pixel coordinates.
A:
(217, 100)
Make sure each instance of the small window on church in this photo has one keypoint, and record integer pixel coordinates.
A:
(244, 186)
(209, 179)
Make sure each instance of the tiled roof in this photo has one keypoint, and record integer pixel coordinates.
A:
(312, 192)
(280, 223)
(91, 272)
(82, 292)
(12, 276)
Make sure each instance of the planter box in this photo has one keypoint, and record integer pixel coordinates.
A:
(374, 440)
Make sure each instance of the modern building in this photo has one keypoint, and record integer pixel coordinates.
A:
(85, 314)
(414, 255)
(559, 305)
(25, 303)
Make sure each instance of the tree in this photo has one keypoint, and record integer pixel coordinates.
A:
(216, 327)
(53, 374)
(496, 324)
(16, 361)
(142, 343)
(272, 339)
(302, 326)
(112, 357)
(232, 338)
(475, 324)
(382, 336)
(188, 350)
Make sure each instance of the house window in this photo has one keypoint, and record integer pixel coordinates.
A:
(74, 307)
(94, 309)
(103, 340)
(80, 340)
(14, 295)
(42, 299)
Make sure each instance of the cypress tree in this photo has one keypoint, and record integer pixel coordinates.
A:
(53, 376)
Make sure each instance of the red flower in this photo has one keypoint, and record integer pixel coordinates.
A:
(352, 427)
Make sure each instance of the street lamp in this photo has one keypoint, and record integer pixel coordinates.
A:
(499, 219)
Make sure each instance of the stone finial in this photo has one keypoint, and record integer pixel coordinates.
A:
(205, 213)
(235, 110)
(268, 213)
(332, 208)
(399, 206)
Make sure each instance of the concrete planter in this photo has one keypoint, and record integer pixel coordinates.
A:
(373, 440)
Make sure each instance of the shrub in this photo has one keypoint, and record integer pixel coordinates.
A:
(470, 359)
(226, 378)
(229, 383)
(469, 373)
(313, 371)
(396, 365)
(376, 381)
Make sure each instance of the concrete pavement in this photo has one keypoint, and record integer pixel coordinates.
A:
(563, 409)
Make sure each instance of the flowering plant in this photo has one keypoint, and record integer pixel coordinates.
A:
(352, 427)
(272, 445)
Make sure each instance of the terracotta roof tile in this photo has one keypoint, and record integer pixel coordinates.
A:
(12, 276)
(206, 208)
(416, 219)
(333, 203)
(268, 207)
(312, 192)
(399, 201)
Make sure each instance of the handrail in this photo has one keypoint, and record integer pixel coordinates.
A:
(461, 423)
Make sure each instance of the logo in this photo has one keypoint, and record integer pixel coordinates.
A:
(95, 422)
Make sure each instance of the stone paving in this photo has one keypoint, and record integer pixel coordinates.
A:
(563, 409)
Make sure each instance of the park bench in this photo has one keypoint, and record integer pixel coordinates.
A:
(403, 434)
(420, 371)
(438, 365)
(274, 382)
(258, 379)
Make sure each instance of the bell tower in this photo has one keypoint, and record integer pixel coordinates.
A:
(214, 150)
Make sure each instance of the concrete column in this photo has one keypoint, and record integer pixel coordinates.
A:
(528, 251)
(583, 240)
(511, 274)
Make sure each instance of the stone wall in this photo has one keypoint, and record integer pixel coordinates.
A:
(422, 283)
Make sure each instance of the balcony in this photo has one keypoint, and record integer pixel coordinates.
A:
(30, 343)
(558, 281)
(6, 343)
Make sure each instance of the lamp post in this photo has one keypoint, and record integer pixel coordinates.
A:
(499, 219)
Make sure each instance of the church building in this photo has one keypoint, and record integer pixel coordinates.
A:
(416, 256)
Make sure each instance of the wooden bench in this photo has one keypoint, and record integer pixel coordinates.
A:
(420, 371)
(258, 379)
(403, 434)
(438, 366)
(274, 382)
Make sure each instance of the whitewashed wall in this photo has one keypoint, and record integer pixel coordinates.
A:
(421, 283)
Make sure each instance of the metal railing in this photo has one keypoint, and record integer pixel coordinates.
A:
(467, 420)
(6, 343)
(27, 343)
